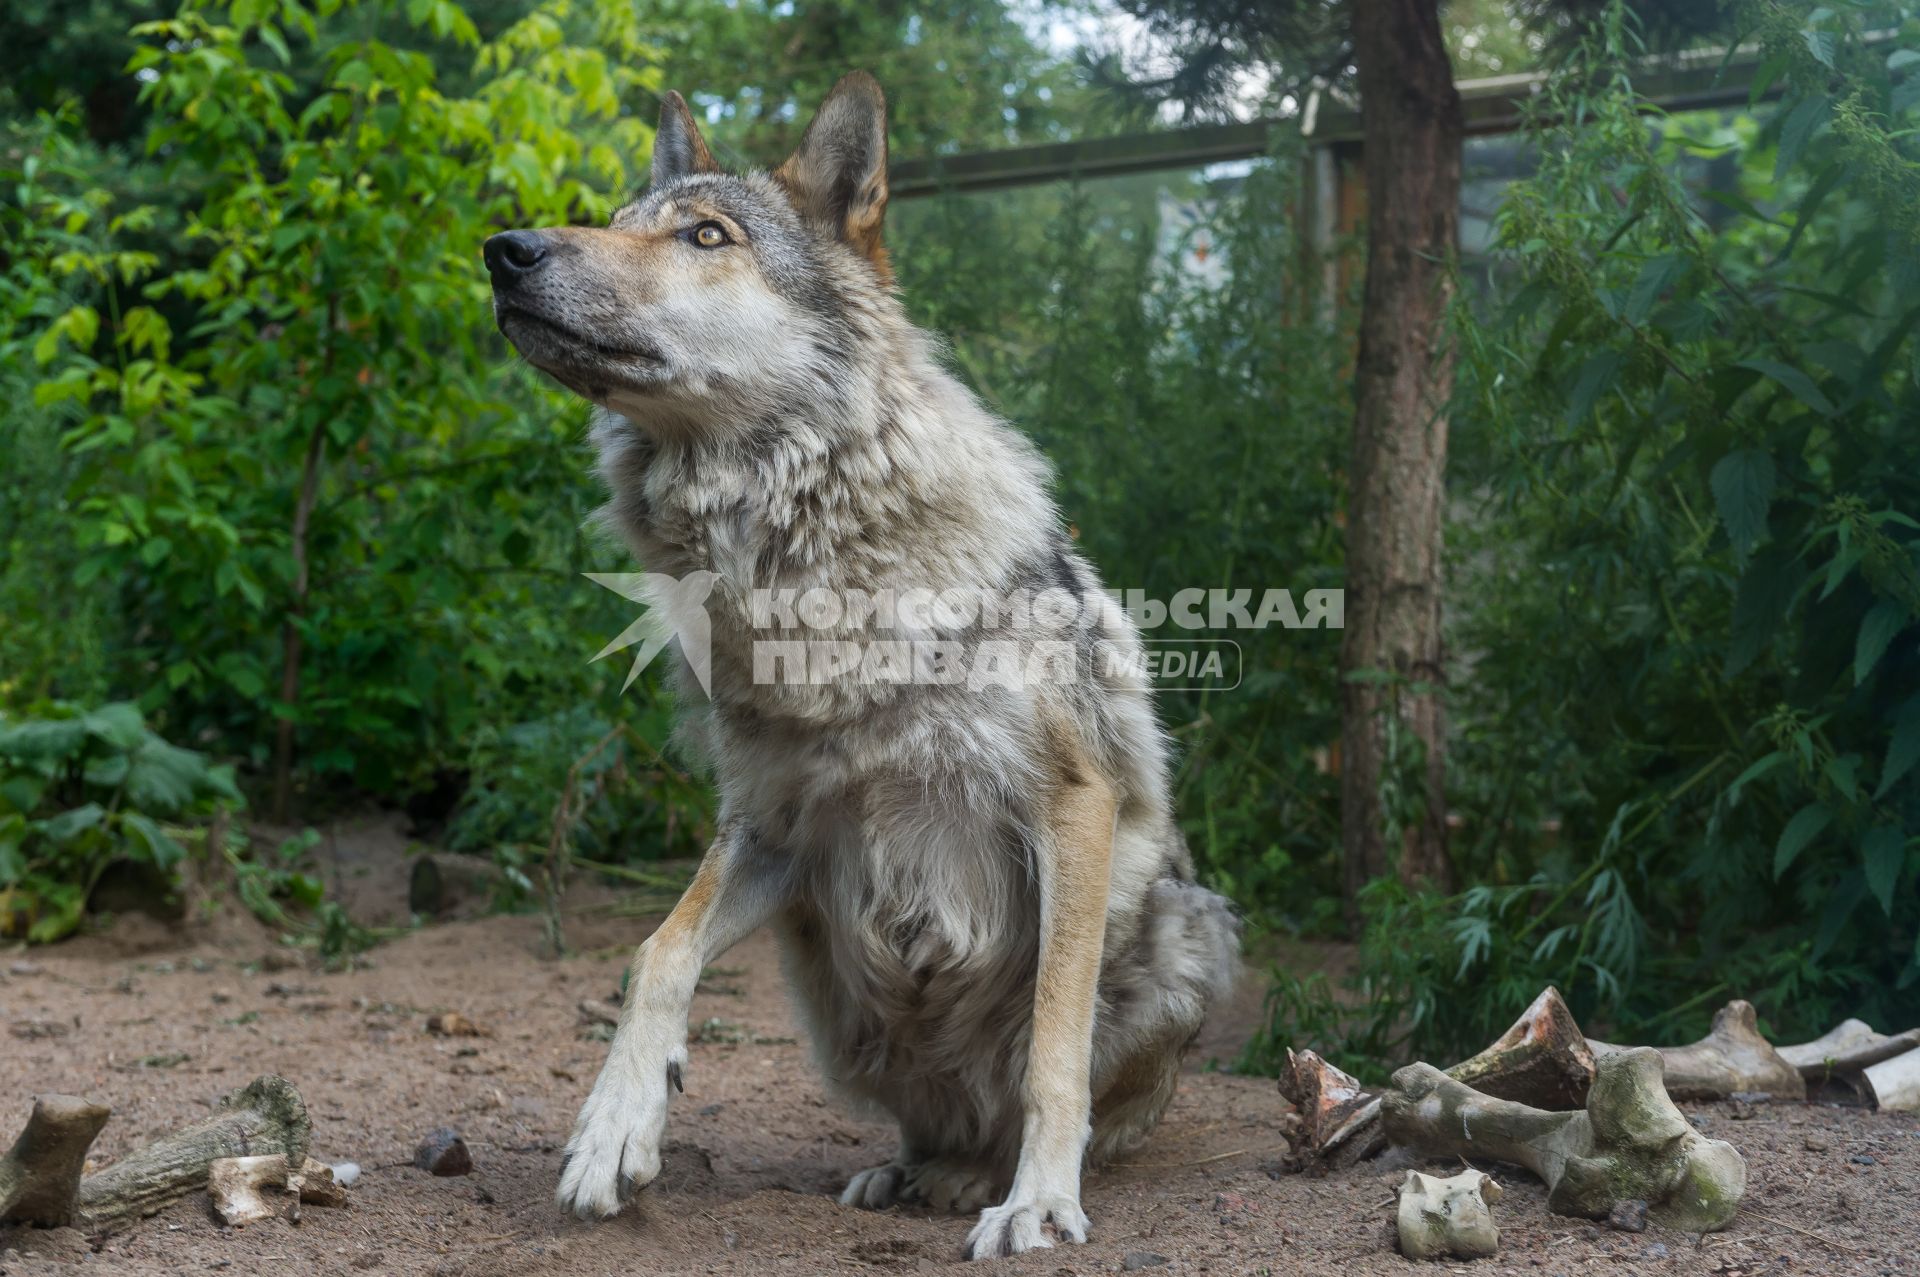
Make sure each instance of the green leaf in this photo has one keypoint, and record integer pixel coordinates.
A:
(1903, 751)
(118, 725)
(1656, 277)
(1883, 853)
(1882, 622)
(1801, 830)
(43, 740)
(1797, 383)
(1753, 773)
(1761, 603)
(161, 849)
(70, 824)
(164, 779)
(271, 37)
(1743, 489)
(1596, 377)
(1821, 45)
(1796, 128)
(1840, 770)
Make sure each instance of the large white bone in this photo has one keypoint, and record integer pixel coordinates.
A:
(1630, 1143)
(1732, 1058)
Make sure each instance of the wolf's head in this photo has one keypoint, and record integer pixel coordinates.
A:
(711, 291)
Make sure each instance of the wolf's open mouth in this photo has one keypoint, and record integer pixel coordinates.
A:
(566, 336)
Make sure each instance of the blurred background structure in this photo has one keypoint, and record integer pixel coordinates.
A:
(1574, 338)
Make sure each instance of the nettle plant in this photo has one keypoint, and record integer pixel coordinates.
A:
(1695, 614)
(83, 789)
(302, 461)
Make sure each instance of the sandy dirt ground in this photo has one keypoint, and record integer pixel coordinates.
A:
(161, 1028)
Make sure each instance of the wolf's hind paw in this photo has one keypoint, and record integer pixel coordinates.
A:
(950, 1186)
(876, 1188)
(1013, 1227)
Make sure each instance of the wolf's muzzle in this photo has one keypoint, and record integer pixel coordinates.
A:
(513, 255)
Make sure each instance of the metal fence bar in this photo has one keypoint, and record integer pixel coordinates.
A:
(1703, 79)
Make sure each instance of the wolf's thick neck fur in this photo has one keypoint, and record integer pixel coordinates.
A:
(882, 470)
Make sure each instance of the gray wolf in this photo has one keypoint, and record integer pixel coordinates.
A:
(987, 912)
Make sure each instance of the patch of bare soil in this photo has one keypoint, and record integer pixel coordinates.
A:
(160, 1029)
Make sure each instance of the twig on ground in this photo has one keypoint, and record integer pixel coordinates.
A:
(1804, 1232)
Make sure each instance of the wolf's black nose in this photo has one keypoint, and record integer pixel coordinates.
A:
(511, 254)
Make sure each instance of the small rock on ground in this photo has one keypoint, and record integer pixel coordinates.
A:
(443, 1152)
(1137, 1259)
(451, 1024)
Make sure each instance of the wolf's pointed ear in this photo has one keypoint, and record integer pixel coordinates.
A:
(678, 148)
(837, 177)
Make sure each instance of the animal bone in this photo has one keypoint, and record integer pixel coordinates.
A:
(1543, 1060)
(1847, 1048)
(264, 1116)
(317, 1185)
(1630, 1142)
(1732, 1057)
(1895, 1083)
(246, 1190)
(1448, 1217)
(1339, 1119)
(40, 1179)
(40, 1173)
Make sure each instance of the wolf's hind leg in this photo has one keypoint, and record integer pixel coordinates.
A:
(615, 1146)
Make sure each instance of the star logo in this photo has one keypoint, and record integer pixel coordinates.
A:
(676, 609)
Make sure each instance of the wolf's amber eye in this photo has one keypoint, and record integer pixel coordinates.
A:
(710, 235)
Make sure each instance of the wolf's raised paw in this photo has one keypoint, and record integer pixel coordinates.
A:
(1013, 1227)
(615, 1148)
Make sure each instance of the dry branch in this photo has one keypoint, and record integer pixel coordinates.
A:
(1629, 1143)
(41, 1172)
(1732, 1058)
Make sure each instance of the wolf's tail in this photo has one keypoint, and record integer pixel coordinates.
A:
(1153, 999)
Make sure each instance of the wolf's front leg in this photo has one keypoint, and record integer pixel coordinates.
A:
(1074, 852)
(615, 1147)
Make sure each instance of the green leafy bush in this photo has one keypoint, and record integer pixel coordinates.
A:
(1688, 710)
(291, 445)
(81, 789)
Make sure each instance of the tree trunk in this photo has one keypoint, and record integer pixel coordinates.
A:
(1397, 471)
(290, 645)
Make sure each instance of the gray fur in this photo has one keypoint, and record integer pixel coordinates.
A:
(830, 446)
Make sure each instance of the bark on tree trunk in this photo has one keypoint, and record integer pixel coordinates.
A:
(1402, 379)
(297, 607)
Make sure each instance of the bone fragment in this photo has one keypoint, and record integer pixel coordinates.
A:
(1448, 1218)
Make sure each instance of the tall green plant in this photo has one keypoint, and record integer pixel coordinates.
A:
(1686, 602)
(302, 468)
